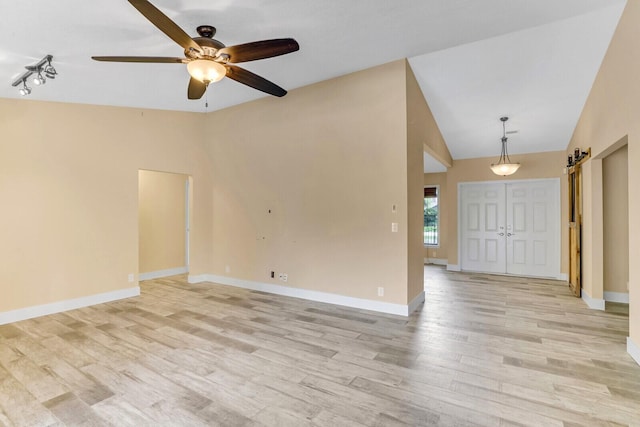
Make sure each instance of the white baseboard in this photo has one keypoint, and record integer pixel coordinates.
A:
(593, 303)
(162, 273)
(453, 267)
(616, 297)
(436, 261)
(415, 303)
(66, 305)
(198, 278)
(633, 349)
(361, 303)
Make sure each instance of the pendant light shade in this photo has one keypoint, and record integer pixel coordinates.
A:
(504, 166)
(205, 70)
(505, 169)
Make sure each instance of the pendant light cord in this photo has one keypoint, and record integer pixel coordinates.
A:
(504, 155)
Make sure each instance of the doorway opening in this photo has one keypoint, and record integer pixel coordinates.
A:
(615, 210)
(164, 201)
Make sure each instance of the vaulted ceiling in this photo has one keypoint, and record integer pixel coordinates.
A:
(475, 60)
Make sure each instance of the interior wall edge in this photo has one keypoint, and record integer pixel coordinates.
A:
(633, 349)
(592, 303)
(607, 150)
(416, 302)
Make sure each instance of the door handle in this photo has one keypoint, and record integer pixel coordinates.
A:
(500, 234)
(510, 234)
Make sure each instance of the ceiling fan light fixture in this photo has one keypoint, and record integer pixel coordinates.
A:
(206, 70)
(504, 167)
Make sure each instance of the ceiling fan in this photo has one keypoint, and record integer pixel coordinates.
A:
(207, 59)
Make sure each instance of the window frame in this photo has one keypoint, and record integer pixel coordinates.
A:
(438, 236)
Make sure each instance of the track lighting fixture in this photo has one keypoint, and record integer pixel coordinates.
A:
(42, 66)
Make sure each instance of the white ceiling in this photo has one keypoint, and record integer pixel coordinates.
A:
(475, 60)
(539, 77)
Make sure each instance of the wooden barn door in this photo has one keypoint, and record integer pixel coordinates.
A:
(575, 224)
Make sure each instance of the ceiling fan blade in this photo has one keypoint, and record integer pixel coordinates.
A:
(253, 80)
(165, 24)
(152, 59)
(259, 50)
(196, 89)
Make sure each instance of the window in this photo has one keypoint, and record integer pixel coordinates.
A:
(431, 213)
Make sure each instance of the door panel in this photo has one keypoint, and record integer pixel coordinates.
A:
(482, 220)
(540, 254)
(492, 250)
(533, 228)
(519, 252)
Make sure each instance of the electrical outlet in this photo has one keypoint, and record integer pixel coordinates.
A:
(284, 277)
(131, 277)
(227, 269)
(394, 227)
(380, 291)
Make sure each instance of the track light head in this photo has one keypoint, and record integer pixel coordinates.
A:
(24, 90)
(39, 79)
(49, 71)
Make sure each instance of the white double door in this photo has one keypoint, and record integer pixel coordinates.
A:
(511, 227)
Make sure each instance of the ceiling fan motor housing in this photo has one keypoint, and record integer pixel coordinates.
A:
(209, 48)
(207, 31)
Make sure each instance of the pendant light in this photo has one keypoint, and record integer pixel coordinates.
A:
(504, 166)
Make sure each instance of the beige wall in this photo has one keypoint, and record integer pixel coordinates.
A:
(69, 185)
(303, 185)
(611, 114)
(615, 196)
(328, 162)
(440, 252)
(591, 254)
(161, 220)
(534, 166)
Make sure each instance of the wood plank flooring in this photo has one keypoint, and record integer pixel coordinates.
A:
(483, 350)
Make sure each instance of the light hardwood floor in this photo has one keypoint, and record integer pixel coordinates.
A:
(483, 350)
